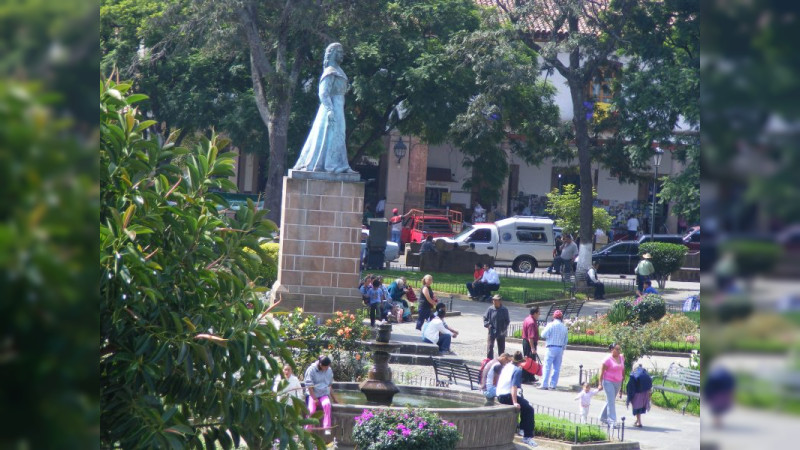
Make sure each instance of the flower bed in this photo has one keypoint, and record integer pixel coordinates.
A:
(673, 332)
(339, 338)
(382, 429)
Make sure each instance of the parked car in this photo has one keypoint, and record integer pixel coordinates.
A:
(524, 243)
(692, 239)
(668, 238)
(618, 257)
(419, 224)
(391, 253)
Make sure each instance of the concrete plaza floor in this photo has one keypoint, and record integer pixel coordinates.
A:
(663, 429)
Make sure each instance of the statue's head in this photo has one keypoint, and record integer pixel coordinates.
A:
(330, 51)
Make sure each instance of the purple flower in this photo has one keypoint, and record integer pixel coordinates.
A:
(390, 433)
(430, 433)
(450, 424)
(406, 432)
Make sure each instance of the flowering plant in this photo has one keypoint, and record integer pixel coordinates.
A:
(338, 337)
(381, 429)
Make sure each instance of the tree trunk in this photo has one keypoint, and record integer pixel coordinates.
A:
(585, 167)
(278, 127)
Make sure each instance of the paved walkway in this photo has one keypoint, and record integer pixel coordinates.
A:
(664, 429)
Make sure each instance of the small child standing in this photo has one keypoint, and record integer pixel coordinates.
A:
(585, 397)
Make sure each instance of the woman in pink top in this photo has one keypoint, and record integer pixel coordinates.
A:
(611, 373)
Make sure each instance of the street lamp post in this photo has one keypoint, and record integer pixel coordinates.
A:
(656, 162)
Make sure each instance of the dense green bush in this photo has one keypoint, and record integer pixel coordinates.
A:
(415, 429)
(621, 311)
(667, 258)
(268, 269)
(753, 257)
(184, 351)
(651, 308)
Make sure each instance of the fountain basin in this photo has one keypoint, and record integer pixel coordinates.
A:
(481, 426)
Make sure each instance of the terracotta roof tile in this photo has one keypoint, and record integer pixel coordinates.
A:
(544, 13)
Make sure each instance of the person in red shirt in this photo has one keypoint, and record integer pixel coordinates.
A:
(474, 287)
(397, 226)
(530, 333)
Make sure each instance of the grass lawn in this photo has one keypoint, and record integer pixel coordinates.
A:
(563, 430)
(674, 401)
(763, 394)
(518, 290)
(694, 315)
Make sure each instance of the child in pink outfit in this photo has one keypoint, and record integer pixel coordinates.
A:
(585, 398)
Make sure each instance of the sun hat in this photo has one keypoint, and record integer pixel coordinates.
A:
(647, 256)
(497, 297)
(558, 314)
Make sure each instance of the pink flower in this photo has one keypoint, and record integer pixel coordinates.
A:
(390, 433)
(406, 432)
(691, 339)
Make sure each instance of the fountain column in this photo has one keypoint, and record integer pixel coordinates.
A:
(378, 387)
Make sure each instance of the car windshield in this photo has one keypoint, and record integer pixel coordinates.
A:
(607, 246)
(463, 233)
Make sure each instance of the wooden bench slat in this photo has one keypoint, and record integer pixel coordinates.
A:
(455, 371)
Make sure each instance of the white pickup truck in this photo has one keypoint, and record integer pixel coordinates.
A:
(523, 242)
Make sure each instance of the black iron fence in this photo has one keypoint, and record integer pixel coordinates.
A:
(586, 375)
(577, 431)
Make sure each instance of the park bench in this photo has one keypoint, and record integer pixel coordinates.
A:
(448, 372)
(685, 378)
(568, 307)
(575, 283)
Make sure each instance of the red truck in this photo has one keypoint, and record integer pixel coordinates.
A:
(419, 224)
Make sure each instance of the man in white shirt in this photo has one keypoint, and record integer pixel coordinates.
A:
(380, 207)
(508, 386)
(436, 332)
(490, 282)
(633, 227)
(592, 280)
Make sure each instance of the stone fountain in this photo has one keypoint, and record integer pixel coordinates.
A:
(483, 426)
(378, 387)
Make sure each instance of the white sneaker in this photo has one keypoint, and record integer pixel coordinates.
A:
(530, 442)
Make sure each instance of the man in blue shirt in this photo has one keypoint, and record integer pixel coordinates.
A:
(648, 288)
(556, 335)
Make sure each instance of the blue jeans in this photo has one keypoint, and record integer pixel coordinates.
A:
(490, 393)
(609, 412)
(444, 342)
(396, 237)
(552, 366)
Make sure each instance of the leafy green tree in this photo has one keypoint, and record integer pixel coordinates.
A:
(667, 258)
(184, 353)
(580, 40)
(48, 231)
(588, 34)
(659, 95)
(565, 207)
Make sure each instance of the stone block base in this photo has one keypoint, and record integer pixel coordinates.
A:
(320, 246)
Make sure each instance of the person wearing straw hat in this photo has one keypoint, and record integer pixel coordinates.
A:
(508, 386)
(556, 335)
(643, 271)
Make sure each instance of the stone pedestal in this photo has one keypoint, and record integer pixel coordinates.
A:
(320, 243)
